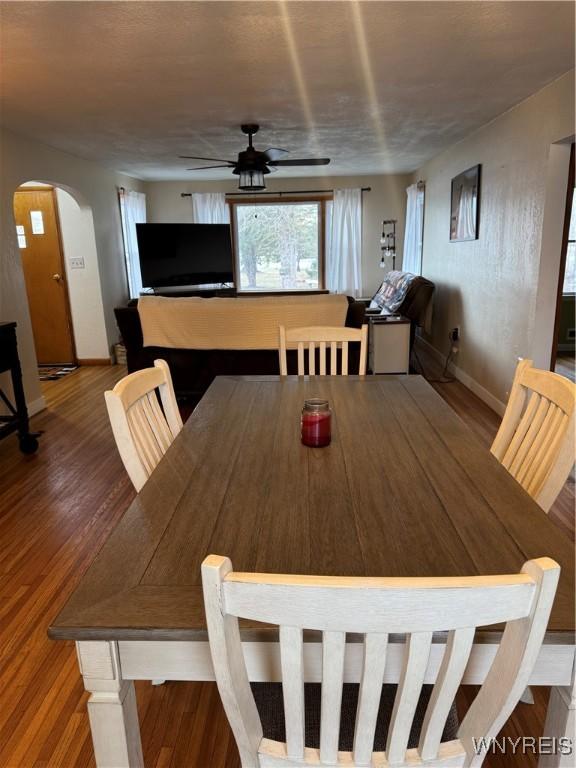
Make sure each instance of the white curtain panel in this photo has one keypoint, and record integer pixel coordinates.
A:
(412, 254)
(133, 211)
(344, 243)
(466, 223)
(210, 208)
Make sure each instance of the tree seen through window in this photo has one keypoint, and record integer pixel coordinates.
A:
(277, 246)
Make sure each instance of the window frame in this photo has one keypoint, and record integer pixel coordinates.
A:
(280, 199)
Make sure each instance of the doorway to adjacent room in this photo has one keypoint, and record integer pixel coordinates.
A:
(563, 361)
(39, 240)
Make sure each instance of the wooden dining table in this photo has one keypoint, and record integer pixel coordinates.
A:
(404, 489)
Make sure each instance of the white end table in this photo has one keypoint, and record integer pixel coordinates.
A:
(389, 344)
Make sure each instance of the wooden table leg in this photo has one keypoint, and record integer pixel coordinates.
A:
(111, 707)
(560, 724)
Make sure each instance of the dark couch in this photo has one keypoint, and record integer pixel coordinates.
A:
(193, 370)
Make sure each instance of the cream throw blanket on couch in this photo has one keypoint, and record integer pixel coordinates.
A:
(242, 323)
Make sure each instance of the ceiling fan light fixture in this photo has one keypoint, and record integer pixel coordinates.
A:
(251, 181)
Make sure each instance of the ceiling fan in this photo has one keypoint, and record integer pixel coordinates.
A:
(252, 165)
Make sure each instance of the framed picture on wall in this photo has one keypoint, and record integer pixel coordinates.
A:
(465, 205)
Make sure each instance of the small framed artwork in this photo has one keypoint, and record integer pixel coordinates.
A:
(465, 205)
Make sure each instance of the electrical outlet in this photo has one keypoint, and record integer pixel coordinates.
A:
(77, 262)
(455, 333)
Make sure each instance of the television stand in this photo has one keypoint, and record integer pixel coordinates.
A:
(196, 290)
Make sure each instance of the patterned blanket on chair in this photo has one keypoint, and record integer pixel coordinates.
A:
(393, 291)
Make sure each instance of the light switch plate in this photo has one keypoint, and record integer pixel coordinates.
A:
(76, 263)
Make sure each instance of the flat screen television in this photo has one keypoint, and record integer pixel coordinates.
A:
(184, 254)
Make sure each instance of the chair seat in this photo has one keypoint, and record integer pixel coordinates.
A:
(268, 697)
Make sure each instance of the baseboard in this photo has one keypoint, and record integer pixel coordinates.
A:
(94, 361)
(36, 406)
(566, 348)
(463, 377)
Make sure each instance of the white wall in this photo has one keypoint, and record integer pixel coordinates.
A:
(84, 289)
(93, 186)
(387, 200)
(489, 286)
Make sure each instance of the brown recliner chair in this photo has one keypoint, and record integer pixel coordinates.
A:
(403, 293)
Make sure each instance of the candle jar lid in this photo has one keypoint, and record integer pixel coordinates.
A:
(316, 404)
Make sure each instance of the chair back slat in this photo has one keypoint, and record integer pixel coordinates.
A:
(143, 434)
(158, 423)
(155, 432)
(417, 652)
(282, 357)
(311, 359)
(541, 439)
(373, 665)
(535, 441)
(143, 430)
(143, 437)
(531, 435)
(333, 647)
(456, 655)
(316, 338)
(521, 431)
(300, 358)
(322, 358)
(344, 358)
(292, 662)
(549, 448)
(416, 607)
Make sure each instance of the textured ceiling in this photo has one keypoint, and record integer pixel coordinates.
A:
(379, 87)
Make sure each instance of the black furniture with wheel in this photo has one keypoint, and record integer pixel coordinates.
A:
(17, 418)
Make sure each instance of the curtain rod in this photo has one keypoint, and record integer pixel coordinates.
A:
(279, 194)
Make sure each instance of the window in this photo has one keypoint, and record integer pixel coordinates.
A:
(279, 245)
(570, 271)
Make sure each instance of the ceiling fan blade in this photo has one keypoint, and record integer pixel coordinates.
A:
(211, 159)
(309, 161)
(209, 167)
(275, 153)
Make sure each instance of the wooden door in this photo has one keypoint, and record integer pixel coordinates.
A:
(41, 251)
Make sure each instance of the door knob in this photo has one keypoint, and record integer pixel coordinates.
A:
(57, 277)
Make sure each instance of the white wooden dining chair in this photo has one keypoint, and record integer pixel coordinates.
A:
(323, 336)
(376, 607)
(143, 431)
(535, 441)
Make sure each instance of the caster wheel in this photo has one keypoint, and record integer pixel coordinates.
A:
(28, 444)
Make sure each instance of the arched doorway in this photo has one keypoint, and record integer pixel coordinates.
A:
(58, 249)
(40, 243)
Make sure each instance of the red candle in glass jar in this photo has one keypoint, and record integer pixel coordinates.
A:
(316, 423)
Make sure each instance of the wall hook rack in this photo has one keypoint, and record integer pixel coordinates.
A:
(388, 242)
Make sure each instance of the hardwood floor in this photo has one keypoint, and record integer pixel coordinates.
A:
(56, 510)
